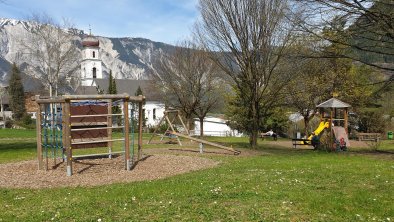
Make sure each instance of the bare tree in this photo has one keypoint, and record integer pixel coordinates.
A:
(189, 81)
(52, 49)
(249, 39)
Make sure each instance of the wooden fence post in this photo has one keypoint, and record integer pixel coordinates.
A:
(126, 133)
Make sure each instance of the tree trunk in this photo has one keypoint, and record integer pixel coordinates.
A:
(255, 124)
(201, 127)
(306, 124)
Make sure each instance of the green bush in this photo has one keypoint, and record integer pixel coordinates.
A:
(9, 123)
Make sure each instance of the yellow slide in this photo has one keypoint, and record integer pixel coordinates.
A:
(319, 129)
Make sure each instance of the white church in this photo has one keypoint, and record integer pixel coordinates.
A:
(92, 80)
(91, 65)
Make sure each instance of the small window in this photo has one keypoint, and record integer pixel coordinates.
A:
(94, 54)
(154, 113)
(94, 73)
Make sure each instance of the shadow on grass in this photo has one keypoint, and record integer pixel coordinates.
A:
(17, 146)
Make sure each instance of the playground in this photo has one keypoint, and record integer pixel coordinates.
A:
(176, 181)
(173, 181)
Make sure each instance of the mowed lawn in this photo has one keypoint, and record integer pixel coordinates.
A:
(278, 184)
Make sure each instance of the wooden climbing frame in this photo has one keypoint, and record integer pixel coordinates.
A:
(87, 124)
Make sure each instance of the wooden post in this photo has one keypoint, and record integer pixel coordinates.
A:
(179, 116)
(54, 133)
(139, 130)
(39, 138)
(126, 133)
(109, 131)
(67, 134)
(168, 127)
(173, 130)
(345, 113)
(331, 129)
(156, 128)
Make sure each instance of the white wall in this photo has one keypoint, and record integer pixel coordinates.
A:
(88, 63)
(215, 127)
(150, 108)
(154, 111)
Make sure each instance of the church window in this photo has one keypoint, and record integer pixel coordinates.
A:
(154, 113)
(94, 54)
(94, 73)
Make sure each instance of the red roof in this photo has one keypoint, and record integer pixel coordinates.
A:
(90, 41)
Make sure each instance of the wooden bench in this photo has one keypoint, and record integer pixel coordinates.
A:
(368, 136)
(263, 136)
(301, 142)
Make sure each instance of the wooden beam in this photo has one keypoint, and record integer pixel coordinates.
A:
(109, 127)
(39, 138)
(236, 152)
(139, 130)
(156, 128)
(173, 130)
(126, 133)
(179, 116)
(346, 120)
(67, 134)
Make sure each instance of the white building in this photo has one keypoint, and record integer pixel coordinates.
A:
(154, 111)
(215, 127)
(92, 82)
(91, 65)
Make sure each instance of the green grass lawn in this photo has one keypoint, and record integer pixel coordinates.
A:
(281, 184)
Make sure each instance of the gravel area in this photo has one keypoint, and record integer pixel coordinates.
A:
(93, 172)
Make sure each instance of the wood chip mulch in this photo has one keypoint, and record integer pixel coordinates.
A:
(94, 172)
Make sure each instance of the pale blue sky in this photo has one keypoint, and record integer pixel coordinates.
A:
(159, 20)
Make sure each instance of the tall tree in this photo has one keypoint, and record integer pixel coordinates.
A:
(111, 84)
(17, 93)
(249, 39)
(189, 79)
(52, 49)
(367, 30)
(113, 90)
(3, 93)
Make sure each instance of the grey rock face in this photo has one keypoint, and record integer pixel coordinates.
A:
(128, 58)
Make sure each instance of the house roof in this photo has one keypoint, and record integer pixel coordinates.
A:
(128, 86)
(333, 103)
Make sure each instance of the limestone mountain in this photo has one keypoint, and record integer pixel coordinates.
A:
(128, 58)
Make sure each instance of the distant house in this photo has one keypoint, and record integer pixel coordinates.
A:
(214, 127)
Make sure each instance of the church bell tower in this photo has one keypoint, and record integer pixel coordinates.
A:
(91, 67)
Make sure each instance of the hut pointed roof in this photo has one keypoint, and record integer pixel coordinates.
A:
(333, 103)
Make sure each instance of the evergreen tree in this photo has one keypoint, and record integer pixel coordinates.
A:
(16, 92)
(110, 83)
(112, 90)
(138, 91)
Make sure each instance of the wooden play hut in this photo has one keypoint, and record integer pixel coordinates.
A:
(336, 112)
(71, 122)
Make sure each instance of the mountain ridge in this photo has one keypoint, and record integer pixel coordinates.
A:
(127, 57)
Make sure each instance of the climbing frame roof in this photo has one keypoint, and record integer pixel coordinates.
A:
(333, 103)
